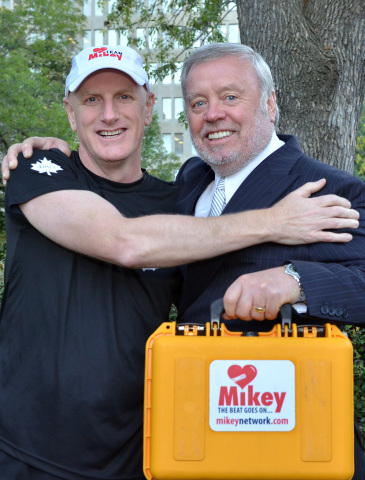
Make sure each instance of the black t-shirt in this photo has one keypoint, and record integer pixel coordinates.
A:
(73, 332)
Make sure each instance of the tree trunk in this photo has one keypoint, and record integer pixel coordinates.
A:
(316, 50)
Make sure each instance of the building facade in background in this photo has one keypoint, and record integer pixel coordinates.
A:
(7, 4)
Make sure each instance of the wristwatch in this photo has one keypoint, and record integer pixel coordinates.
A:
(291, 270)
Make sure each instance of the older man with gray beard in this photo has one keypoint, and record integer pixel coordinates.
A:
(231, 107)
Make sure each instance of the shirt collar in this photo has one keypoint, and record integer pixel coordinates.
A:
(233, 181)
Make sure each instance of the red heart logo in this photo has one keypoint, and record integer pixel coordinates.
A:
(100, 50)
(242, 375)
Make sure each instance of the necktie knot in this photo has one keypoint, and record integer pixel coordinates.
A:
(219, 199)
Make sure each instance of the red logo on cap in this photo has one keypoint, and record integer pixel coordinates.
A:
(100, 50)
(103, 52)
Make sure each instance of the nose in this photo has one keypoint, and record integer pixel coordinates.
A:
(110, 111)
(215, 111)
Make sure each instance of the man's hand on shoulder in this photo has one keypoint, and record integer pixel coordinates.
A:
(10, 161)
(301, 219)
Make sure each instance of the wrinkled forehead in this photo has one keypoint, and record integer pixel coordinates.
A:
(219, 74)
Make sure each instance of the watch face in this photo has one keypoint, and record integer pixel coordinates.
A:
(291, 270)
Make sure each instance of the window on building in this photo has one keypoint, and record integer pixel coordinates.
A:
(140, 34)
(98, 38)
(167, 80)
(112, 38)
(6, 4)
(166, 108)
(177, 74)
(123, 40)
(87, 42)
(197, 43)
(87, 8)
(233, 33)
(111, 5)
(179, 106)
(99, 8)
(152, 68)
(165, 6)
(152, 38)
(223, 30)
(179, 143)
(166, 137)
(176, 43)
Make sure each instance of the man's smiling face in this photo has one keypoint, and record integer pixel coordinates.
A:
(109, 112)
(227, 125)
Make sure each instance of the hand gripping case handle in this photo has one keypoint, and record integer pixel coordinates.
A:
(217, 308)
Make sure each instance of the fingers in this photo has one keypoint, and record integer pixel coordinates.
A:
(238, 304)
(247, 307)
(328, 200)
(10, 161)
(309, 188)
(331, 237)
(259, 295)
(52, 142)
(5, 169)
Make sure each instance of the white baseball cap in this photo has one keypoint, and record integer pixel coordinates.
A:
(92, 59)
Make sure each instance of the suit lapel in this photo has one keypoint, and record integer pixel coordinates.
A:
(191, 191)
(261, 189)
(266, 184)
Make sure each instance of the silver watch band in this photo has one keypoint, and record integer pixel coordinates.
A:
(291, 270)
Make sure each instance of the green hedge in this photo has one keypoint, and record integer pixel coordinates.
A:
(357, 336)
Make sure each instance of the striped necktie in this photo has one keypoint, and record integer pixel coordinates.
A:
(219, 199)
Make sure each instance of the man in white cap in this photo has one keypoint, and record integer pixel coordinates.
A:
(74, 320)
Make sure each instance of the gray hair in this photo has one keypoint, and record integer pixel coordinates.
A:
(214, 51)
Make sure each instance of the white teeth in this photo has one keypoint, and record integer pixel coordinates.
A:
(217, 135)
(110, 134)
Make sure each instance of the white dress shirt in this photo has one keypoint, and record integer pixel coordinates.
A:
(232, 182)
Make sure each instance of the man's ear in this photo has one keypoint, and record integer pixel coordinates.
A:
(150, 103)
(271, 107)
(70, 114)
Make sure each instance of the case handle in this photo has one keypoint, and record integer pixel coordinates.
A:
(217, 308)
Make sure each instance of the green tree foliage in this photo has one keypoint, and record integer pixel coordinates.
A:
(357, 336)
(38, 40)
(155, 158)
(360, 148)
(168, 23)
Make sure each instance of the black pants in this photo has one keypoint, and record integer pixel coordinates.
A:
(13, 469)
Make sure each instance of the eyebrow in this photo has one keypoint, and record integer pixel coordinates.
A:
(230, 86)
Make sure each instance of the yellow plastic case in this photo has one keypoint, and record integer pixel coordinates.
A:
(219, 405)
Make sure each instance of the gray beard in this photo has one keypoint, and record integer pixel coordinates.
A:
(246, 152)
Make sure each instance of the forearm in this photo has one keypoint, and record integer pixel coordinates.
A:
(162, 240)
(86, 223)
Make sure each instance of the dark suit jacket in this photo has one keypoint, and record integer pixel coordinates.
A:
(333, 275)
